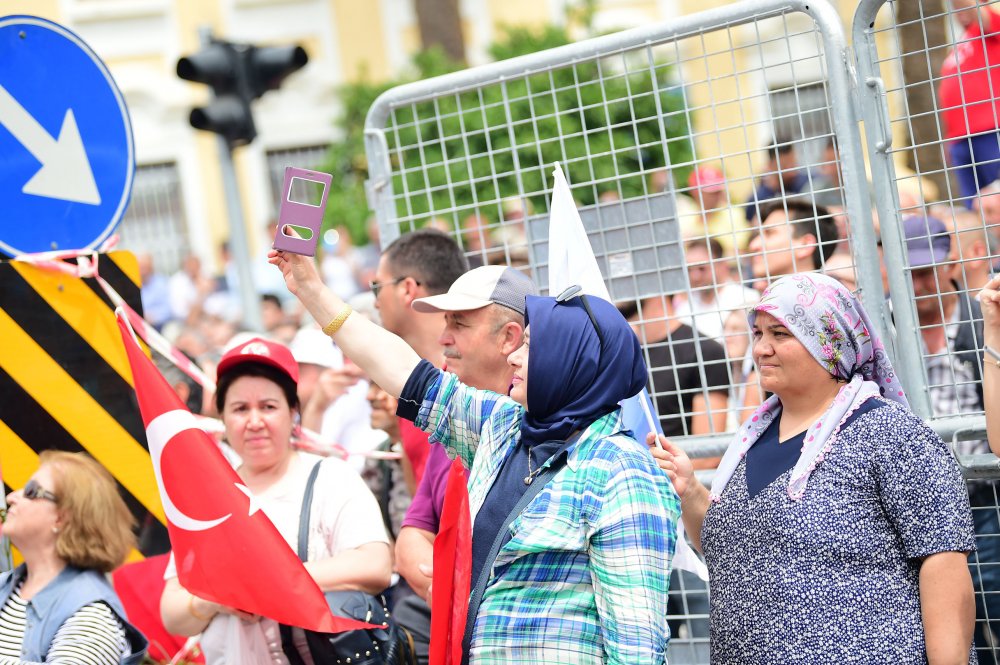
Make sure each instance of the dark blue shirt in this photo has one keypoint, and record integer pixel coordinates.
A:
(768, 458)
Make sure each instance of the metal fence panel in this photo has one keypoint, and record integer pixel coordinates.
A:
(939, 241)
(648, 123)
(638, 120)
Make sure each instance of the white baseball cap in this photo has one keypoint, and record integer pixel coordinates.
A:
(486, 285)
(311, 347)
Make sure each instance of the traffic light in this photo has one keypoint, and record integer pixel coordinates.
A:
(268, 66)
(237, 74)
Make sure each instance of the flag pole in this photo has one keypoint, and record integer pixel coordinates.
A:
(650, 421)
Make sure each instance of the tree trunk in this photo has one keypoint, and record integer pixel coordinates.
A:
(441, 25)
(922, 33)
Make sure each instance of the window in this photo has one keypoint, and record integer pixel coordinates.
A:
(312, 157)
(154, 221)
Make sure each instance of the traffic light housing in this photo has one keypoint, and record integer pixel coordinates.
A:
(237, 74)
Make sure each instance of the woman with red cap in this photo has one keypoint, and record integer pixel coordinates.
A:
(348, 548)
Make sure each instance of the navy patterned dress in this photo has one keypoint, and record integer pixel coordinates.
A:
(833, 577)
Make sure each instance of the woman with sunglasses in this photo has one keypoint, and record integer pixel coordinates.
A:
(71, 527)
(573, 524)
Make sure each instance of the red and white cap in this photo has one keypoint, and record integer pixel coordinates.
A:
(259, 350)
(707, 178)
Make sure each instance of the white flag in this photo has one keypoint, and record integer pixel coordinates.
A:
(571, 262)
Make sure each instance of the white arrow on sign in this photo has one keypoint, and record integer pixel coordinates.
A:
(65, 172)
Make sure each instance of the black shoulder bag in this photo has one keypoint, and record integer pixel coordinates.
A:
(380, 646)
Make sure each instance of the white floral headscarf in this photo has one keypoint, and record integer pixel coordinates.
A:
(832, 324)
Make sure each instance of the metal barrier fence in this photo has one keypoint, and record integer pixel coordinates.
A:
(708, 155)
(926, 89)
(664, 135)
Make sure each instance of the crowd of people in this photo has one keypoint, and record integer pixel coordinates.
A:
(837, 526)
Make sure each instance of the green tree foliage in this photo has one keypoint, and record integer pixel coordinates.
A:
(609, 122)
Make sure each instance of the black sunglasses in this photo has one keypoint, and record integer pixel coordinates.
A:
(378, 286)
(33, 491)
(577, 290)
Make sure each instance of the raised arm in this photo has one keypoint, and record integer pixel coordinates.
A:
(989, 298)
(386, 358)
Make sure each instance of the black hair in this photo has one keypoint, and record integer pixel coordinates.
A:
(779, 147)
(271, 298)
(268, 372)
(711, 245)
(429, 256)
(174, 375)
(805, 216)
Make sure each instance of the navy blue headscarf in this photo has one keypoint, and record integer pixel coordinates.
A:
(575, 377)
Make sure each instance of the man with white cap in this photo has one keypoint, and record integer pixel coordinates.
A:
(484, 323)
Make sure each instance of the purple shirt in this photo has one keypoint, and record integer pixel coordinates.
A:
(425, 510)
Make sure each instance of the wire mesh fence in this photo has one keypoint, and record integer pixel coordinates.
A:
(934, 146)
(675, 140)
(709, 156)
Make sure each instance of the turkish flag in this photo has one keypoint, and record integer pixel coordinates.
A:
(452, 571)
(225, 549)
(139, 586)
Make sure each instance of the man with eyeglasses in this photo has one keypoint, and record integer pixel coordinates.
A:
(416, 265)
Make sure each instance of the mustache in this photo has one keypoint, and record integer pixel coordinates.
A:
(451, 353)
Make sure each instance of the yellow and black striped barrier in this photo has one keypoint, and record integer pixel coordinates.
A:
(65, 380)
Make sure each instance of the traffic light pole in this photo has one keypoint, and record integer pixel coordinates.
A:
(238, 244)
(238, 74)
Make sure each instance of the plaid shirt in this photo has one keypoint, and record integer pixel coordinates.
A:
(953, 385)
(584, 577)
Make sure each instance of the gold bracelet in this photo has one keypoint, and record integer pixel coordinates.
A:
(192, 612)
(331, 328)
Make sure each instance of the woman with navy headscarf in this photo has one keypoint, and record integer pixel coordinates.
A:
(573, 524)
(838, 525)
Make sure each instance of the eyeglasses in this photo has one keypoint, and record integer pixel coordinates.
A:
(33, 491)
(378, 286)
(577, 290)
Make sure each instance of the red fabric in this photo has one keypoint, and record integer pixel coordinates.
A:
(225, 549)
(452, 572)
(139, 586)
(415, 445)
(969, 93)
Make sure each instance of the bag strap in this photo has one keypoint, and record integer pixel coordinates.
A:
(304, 513)
(536, 486)
(287, 645)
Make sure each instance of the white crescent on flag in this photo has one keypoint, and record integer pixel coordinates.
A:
(159, 433)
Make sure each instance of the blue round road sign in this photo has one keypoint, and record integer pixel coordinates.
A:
(66, 154)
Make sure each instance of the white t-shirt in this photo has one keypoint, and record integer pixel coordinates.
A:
(347, 422)
(344, 516)
(710, 317)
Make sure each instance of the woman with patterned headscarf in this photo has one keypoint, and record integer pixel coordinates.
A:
(837, 527)
(573, 524)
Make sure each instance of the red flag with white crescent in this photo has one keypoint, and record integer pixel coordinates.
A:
(452, 571)
(225, 549)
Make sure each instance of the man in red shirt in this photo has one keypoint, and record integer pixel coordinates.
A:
(969, 96)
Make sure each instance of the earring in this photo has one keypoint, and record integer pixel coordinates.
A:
(55, 529)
